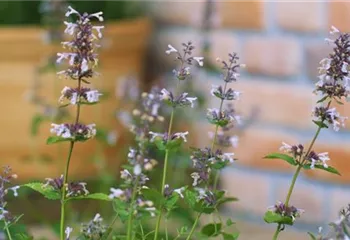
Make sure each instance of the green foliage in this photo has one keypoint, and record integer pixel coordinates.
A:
(230, 236)
(282, 156)
(94, 196)
(172, 145)
(327, 169)
(36, 121)
(272, 217)
(57, 139)
(312, 236)
(211, 229)
(47, 191)
(321, 124)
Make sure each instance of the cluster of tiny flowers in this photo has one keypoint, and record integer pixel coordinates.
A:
(203, 161)
(185, 59)
(286, 211)
(68, 232)
(165, 138)
(74, 131)
(82, 57)
(5, 179)
(181, 100)
(78, 95)
(339, 228)
(73, 189)
(95, 229)
(329, 115)
(207, 196)
(334, 74)
(312, 158)
(168, 191)
(147, 113)
(334, 81)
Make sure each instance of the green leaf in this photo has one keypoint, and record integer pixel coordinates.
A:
(171, 201)
(226, 199)
(156, 197)
(220, 165)
(230, 236)
(271, 217)
(22, 236)
(190, 198)
(229, 222)
(160, 144)
(56, 139)
(328, 169)
(47, 191)
(120, 207)
(282, 156)
(174, 145)
(94, 196)
(36, 121)
(322, 99)
(211, 229)
(312, 236)
(321, 124)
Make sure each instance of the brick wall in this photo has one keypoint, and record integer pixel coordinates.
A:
(281, 44)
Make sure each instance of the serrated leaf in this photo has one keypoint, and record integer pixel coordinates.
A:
(211, 229)
(282, 156)
(190, 198)
(327, 169)
(272, 217)
(120, 207)
(171, 201)
(312, 236)
(321, 124)
(230, 236)
(322, 99)
(94, 196)
(160, 144)
(47, 191)
(174, 145)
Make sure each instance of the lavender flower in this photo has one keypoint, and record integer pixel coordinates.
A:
(5, 178)
(79, 95)
(181, 100)
(330, 115)
(68, 231)
(73, 189)
(74, 131)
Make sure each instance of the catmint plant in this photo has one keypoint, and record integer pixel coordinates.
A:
(205, 198)
(170, 141)
(82, 59)
(131, 198)
(332, 87)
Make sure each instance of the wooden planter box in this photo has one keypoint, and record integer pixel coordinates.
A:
(22, 50)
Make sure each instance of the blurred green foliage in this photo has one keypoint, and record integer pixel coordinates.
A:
(27, 12)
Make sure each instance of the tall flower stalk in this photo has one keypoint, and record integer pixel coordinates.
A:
(333, 87)
(82, 60)
(209, 160)
(168, 141)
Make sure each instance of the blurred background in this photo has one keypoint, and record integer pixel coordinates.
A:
(280, 42)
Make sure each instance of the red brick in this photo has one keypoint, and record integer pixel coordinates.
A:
(306, 197)
(300, 16)
(255, 187)
(276, 56)
(241, 14)
(339, 15)
(180, 13)
(275, 102)
(256, 142)
(222, 43)
(315, 52)
(338, 199)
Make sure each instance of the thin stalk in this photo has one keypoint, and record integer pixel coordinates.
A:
(166, 158)
(275, 235)
(65, 178)
(131, 211)
(166, 230)
(194, 226)
(8, 231)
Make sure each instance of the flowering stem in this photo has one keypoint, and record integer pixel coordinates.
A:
(276, 232)
(217, 174)
(131, 211)
(194, 226)
(65, 177)
(164, 172)
(8, 231)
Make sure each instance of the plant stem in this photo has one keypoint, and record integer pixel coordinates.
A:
(276, 232)
(131, 211)
(65, 178)
(194, 226)
(8, 231)
(164, 172)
